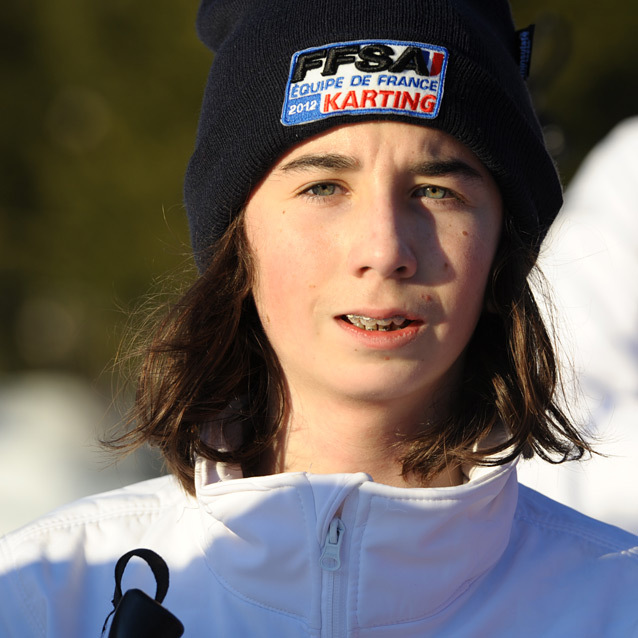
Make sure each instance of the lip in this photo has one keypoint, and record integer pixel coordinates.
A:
(381, 340)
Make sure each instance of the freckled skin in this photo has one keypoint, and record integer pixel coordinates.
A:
(368, 237)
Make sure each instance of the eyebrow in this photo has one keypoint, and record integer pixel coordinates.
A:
(444, 168)
(332, 161)
(336, 161)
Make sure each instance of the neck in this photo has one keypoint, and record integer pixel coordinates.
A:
(325, 437)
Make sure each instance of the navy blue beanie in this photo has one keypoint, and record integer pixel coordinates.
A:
(286, 70)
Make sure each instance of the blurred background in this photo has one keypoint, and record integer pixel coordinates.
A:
(99, 108)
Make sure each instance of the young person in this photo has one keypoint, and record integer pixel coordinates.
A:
(342, 395)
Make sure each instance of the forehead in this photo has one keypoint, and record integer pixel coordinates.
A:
(394, 145)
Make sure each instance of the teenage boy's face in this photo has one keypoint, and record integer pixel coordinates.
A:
(380, 225)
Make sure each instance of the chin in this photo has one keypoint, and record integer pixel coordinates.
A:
(383, 388)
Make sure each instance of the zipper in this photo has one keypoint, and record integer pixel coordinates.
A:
(330, 562)
(331, 555)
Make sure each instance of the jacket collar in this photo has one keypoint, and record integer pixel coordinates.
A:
(408, 552)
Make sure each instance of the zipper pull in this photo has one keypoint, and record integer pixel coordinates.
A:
(330, 558)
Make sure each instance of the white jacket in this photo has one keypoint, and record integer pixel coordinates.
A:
(487, 558)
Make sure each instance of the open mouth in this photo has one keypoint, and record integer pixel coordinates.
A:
(382, 325)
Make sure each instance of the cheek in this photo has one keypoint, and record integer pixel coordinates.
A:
(271, 290)
(286, 274)
(478, 242)
(471, 259)
(477, 261)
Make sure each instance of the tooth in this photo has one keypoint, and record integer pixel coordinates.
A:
(354, 319)
(370, 323)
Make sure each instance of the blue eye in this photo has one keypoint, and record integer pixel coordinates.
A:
(322, 190)
(432, 192)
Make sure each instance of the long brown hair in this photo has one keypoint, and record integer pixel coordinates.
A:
(510, 380)
(209, 364)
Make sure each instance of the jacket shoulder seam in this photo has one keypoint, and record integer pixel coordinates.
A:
(574, 530)
(75, 520)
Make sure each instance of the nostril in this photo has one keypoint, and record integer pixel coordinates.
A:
(404, 271)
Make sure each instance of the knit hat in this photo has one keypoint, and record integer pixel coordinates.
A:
(286, 70)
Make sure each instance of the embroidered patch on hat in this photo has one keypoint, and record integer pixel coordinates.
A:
(366, 76)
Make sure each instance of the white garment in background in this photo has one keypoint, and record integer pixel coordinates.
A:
(590, 259)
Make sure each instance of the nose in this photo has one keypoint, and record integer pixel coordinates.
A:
(382, 241)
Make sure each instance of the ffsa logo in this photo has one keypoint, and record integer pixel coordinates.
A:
(368, 58)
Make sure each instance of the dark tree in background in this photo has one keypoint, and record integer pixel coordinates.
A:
(99, 108)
